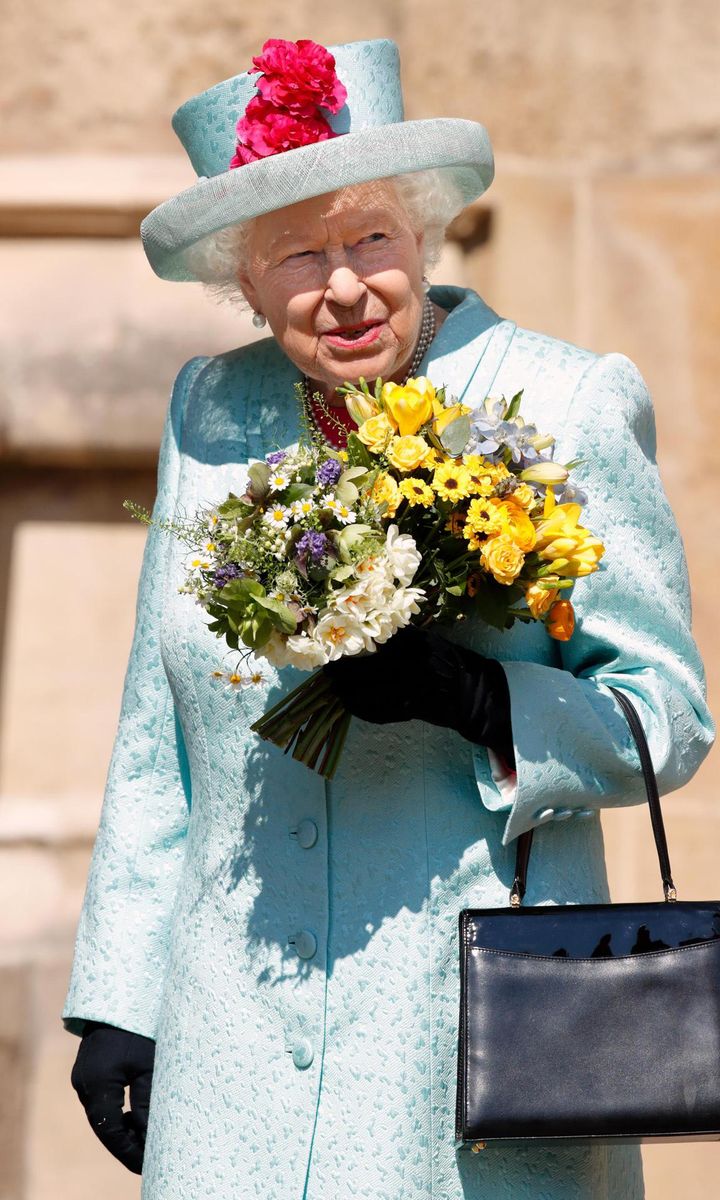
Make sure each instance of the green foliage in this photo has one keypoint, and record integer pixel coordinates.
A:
(455, 436)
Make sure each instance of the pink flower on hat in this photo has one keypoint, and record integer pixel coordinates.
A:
(266, 130)
(298, 80)
(299, 76)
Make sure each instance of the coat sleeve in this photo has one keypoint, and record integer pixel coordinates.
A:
(123, 931)
(573, 749)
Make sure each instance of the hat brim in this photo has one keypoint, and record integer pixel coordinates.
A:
(376, 152)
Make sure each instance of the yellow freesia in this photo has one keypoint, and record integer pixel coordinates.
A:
(571, 549)
(410, 405)
(361, 407)
(385, 490)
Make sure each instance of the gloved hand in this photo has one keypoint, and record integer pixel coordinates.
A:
(107, 1059)
(419, 674)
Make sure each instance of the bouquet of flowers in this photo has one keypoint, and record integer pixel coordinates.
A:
(433, 511)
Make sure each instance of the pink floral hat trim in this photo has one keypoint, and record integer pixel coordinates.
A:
(297, 80)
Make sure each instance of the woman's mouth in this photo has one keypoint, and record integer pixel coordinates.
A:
(353, 337)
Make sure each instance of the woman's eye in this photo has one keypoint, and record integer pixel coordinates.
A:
(371, 237)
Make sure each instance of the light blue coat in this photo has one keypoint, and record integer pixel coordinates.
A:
(292, 945)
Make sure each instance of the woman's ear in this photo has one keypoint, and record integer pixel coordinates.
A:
(248, 290)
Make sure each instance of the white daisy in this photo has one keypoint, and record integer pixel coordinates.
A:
(278, 481)
(345, 515)
(301, 508)
(277, 516)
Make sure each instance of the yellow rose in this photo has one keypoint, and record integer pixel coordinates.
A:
(407, 453)
(539, 599)
(376, 433)
(410, 405)
(517, 525)
(386, 491)
(502, 558)
(524, 496)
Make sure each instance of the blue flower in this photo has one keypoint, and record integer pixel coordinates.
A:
(312, 550)
(329, 472)
(277, 456)
(224, 574)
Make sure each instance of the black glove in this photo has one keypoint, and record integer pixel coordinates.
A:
(107, 1060)
(419, 674)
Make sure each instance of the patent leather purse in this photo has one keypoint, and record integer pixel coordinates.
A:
(590, 1023)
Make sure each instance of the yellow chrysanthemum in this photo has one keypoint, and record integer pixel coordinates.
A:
(417, 491)
(451, 481)
(434, 459)
(483, 517)
(481, 473)
(503, 558)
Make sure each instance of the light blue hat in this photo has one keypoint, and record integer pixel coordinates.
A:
(376, 142)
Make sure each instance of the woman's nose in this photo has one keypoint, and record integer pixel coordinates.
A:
(344, 286)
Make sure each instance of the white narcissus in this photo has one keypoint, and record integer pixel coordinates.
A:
(403, 555)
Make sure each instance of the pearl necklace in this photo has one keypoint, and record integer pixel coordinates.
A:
(427, 333)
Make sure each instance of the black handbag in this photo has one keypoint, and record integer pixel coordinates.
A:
(590, 1023)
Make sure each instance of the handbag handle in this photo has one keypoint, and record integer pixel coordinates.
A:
(524, 841)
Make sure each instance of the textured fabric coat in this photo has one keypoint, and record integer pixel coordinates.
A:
(291, 944)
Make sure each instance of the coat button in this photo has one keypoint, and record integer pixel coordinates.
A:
(543, 814)
(584, 812)
(306, 833)
(562, 814)
(303, 1053)
(304, 942)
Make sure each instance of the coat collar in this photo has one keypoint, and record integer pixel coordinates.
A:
(470, 345)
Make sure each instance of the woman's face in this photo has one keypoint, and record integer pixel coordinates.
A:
(339, 278)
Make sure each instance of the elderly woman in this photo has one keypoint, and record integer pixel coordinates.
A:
(280, 949)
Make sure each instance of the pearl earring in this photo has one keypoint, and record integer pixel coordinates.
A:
(426, 284)
(259, 320)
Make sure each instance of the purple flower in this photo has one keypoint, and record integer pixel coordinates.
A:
(329, 472)
(224, 574)
(277, 456)
(311, 549)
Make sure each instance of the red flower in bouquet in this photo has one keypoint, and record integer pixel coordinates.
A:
(266, 130)
(299, 76)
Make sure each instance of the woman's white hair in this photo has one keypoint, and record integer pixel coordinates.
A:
(431, 199)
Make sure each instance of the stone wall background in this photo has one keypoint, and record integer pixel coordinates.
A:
(601, 227)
